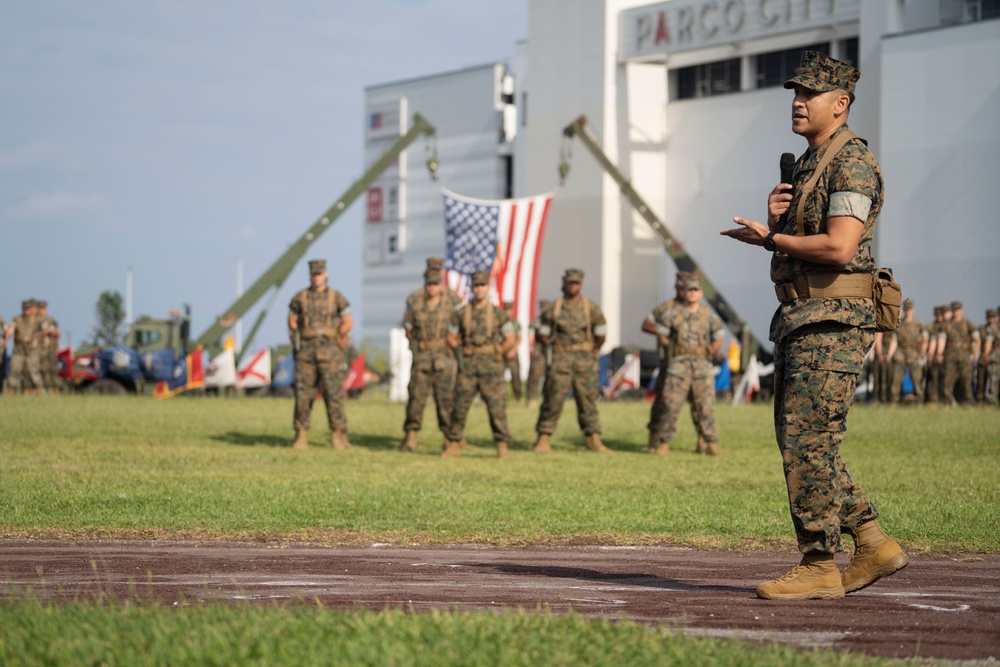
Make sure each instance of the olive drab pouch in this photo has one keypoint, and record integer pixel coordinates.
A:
(888, 297)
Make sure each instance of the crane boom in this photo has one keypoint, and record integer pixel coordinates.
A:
(683, 261)
(275, 276)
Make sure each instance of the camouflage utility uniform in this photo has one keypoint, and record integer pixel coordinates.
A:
(319, 359)
(512, 363)
(960, 337)
(935, 366)
(25, 373)
(47, 330)
(820, 346)
(480, 331)
(572, 325)
(983, 375)
(991, 352)
(911, 340)
(536, 369)
(433, 368)
(690, 375)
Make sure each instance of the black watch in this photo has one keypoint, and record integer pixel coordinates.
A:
(769, 242)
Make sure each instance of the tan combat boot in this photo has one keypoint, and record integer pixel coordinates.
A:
(338, 440)
(502, 450)
(702, 447)
(451, 450)
(301, 439)
(876, 555)
(542, 444)
(656, 447)
(712, 449)
(594, 443)
(409, 443)
(464, 444)
(816, 577)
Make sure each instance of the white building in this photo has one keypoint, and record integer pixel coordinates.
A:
(686, 97)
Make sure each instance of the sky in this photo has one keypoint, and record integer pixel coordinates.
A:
(182, 138)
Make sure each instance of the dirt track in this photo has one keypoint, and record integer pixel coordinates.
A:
(938, 607)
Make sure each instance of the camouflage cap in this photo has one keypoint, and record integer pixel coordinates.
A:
(27, 303)
(41, 303)
(435, 263)
(316, 266)
(907, 304)
(956, 305)
(991, 313)
(939, 310)
(573, 276)
(480, 277)
(688, 280)
(822, 73)
(433, 277)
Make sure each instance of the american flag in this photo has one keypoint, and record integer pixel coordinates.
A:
(503, 237)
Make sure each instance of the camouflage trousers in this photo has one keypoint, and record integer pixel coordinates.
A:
(659, 406)
(483, 375)
(50, 370)
(934, 375)
(993, 381)
(319, 367)
(903, 359)
(957, 379)
(536, 372)
(25, 372)
(881, 379)
(576, 371)
(514, 366)
(691, 378)
(816, 368)
(433, 371)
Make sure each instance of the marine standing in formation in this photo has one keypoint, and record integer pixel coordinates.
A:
(536, 369)
(511, 362)
(320, 322)
(575, 328)
(25, 372)
(483, 334)
(696, 335)
(908, 351)
(47, 348)
(820, 235)
(990, 357)
(960, 340)
(428, 313)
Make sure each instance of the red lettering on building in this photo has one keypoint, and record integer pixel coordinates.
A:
(661, 29)
(374, 204)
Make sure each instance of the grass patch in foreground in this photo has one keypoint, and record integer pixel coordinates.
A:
(209, 468)
(81, 634)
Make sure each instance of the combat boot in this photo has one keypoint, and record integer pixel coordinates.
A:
(702, 447)
(464, 444)
(409, 443)
(301, 439)
(712, 449)
(451, 450)
(338, 440)
(656, 447)
(502, 450)
(542, 444)
(594, 443)
(876, 555)
(816, 577)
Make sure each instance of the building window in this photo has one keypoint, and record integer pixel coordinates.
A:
(774, 68)
(963, 11)
(716, 78)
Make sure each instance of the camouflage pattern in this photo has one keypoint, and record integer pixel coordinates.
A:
(822, 73)
(482, 370)
(47, 347)
(659, 407)
(960, 337)
(690, 374)
(910, 337)
(993, 363)
(433, 368)
(815, 376)
(573, 367)
(820, 346)
(935, 367)
(536, 369)
(513, 364)
(881, 369)
(982, 366)
(319, 359)
(855, 171)
(25, 372)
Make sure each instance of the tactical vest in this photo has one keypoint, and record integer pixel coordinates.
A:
(490, 346)
(587, 345)
(328, 325)
(432, 325)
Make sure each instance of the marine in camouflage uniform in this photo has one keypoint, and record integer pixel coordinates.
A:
(320, 322)
(575, 328)
(822, 267)
(908, 350)
(484, 334)
(991, 353)
(536, 369)
(961, 346)
(4, 337)
(25, 373)
(653, 325)
(696, 336)
(982, 364)
(511, 361)
(433, 368)
(881, 369)
(935, 360)
(47, 330)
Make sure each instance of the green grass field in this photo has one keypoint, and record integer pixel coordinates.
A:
(76, 467)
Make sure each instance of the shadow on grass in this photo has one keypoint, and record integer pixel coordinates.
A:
(650, 580)
(317, 438)
(253, 439)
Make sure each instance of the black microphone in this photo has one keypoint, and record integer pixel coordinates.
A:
(787, 165)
